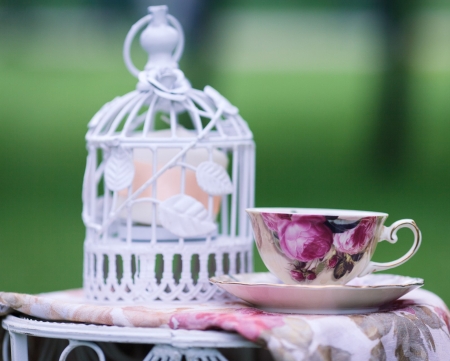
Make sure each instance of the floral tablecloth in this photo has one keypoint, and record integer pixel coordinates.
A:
(415, 327)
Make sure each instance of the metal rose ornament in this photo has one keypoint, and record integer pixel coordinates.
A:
(164, 199)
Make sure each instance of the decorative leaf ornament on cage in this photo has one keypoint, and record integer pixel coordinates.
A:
(170, 171)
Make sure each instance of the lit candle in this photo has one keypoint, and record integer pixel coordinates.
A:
(169, 183)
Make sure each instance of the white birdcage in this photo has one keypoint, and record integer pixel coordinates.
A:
(164, 208)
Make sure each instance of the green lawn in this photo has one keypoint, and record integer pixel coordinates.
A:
(313, 136)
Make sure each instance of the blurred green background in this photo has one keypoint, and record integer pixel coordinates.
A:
(348, 102)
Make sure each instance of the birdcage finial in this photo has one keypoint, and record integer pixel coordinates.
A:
(162, 39)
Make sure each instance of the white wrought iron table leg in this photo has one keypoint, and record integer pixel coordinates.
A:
(171, 353)
(19, 346)
(5, 347)
(164, 353)
(74, 344)
(203, 354)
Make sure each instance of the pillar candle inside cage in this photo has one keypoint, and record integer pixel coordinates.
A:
(179, 179)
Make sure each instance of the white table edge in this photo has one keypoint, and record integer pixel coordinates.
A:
(101, 333)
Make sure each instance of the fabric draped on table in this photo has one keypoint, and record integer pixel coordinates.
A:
(415, 327)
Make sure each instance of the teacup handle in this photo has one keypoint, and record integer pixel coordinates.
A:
(390, 234)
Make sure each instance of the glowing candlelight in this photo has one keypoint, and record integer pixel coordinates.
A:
(170, 182)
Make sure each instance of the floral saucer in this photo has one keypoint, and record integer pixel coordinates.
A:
(361, 295)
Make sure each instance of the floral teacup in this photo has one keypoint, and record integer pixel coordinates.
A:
(324, 246)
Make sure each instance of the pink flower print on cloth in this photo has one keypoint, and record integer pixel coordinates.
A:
(302, 238)
(356, 240)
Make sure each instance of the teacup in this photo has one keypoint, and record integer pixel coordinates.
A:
(324, 246)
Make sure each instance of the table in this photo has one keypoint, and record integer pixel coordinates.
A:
(171, 344)
(416, 327)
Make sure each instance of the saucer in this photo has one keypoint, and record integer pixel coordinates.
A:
(361, 295)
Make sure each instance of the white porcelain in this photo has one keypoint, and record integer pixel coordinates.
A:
(361, 295)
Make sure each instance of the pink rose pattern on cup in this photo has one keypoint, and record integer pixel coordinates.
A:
(314, 243)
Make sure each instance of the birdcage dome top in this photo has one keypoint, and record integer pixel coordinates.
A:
(164, 93)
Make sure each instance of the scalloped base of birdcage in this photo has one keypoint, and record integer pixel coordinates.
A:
(115, 271)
